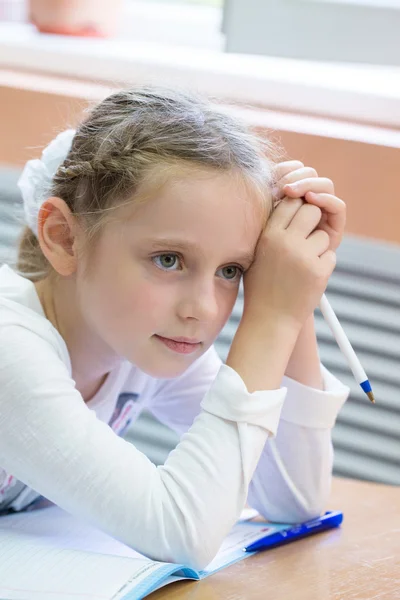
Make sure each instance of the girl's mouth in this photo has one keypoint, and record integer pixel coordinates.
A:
(180, 347)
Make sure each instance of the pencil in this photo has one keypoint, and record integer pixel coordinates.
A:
(345, 346)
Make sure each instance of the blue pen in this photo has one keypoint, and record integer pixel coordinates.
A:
(329, 520)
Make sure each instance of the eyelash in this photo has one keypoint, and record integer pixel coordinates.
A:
(238, 267)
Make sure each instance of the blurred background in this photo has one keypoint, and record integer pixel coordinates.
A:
(322, 77)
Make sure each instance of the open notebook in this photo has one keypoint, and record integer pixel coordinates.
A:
(50, 554)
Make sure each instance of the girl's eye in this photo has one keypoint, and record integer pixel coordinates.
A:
(233, 272)
(168, 260)
(171, 258)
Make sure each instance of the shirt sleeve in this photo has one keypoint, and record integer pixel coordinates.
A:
(292, 480)
(177, 512)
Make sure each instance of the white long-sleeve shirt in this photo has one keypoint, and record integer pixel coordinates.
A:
(231, 449)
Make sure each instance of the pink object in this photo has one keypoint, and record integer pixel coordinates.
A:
(184, 339)
(8, 482)
(180, 347)
(93, 18)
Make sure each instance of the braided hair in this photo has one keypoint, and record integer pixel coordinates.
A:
(133, 141)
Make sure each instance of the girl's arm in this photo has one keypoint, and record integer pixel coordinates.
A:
(292, 480)
(304, 364)
(294, 179)
(177, 512)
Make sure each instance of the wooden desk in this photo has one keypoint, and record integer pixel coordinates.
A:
(359, 561)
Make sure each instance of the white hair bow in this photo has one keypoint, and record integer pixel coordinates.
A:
(36, 178)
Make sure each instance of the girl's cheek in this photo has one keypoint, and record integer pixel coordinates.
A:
(148, 298)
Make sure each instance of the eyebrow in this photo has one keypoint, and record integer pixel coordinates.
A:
(245, 257)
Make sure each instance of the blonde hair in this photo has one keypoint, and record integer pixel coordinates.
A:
(139, 136)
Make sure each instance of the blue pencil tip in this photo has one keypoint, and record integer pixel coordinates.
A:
(366, 386)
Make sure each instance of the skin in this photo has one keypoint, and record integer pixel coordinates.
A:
(297, 180)
(127, 295)
(114, 311)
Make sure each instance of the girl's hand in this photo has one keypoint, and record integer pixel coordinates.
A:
(294, 258)
(292, 265)
(295, 254)
(294, 180)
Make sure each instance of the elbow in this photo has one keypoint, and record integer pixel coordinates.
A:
(197, 555)
(198, 561)
(293, 515)
(175, 537)
(287, 509)
(306, 513)
(293, 512)
(188, 534)
(313, 509)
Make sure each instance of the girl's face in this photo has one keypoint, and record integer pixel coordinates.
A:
(171, 267)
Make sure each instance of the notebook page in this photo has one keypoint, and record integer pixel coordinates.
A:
(58, 528)
(31, 571)
(57, 531)
(48, 546)
(231, 549)
(242, 534)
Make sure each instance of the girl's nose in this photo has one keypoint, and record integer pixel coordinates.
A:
(199, 302)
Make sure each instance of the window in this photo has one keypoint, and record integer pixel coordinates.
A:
(195, 23)
(216, 3)
(359, 31)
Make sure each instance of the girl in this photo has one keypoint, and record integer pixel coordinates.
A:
(141, 224)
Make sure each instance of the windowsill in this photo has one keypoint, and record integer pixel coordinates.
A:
(360, 93)
(172, 23)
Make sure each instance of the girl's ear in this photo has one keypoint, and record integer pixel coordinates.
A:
(57, 234)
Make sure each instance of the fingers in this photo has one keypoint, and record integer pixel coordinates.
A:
(306, 219)
(328, 260)
(283, 168)
(284, 212)
(297, 214)
(319, 241)
(295, 180)
(334, 211)
(307, 184)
